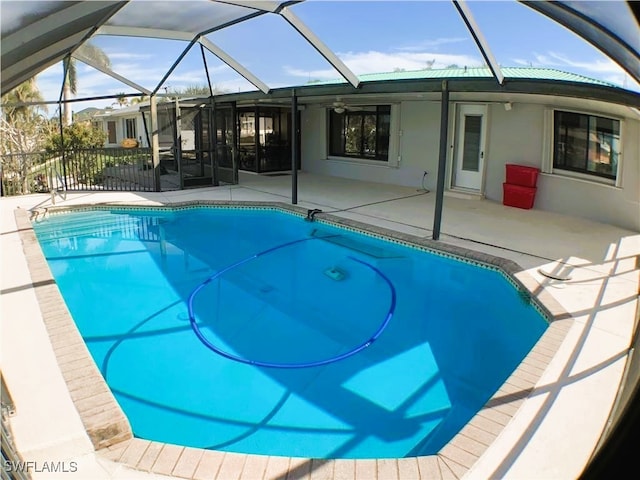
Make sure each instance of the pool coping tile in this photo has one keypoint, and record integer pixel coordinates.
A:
(110, 431)
(107, 424)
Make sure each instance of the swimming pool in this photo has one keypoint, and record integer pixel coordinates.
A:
(457, 330)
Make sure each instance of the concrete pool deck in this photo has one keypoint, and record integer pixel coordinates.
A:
(570, 389)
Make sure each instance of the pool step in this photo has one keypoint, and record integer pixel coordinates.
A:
(355, 244)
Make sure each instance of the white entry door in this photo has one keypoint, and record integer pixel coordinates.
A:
(469, 146)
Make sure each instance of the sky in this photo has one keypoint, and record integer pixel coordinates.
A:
(368, 36)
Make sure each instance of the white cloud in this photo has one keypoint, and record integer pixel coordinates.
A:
(431, 44)
(377, 62)
(596, 66)
(324, 74)
(128, 56)
(602, 68)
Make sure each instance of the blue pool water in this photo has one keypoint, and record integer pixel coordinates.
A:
(455, 333)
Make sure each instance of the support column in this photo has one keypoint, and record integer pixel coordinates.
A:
(155, 142)
(442, 159)
(177, 141)
(213, 141)
(294, 147)
(63, 149)
(234, 148)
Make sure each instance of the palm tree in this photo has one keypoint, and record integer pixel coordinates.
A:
(70, 86)
(121, 101)
(25, 92)
(137, 100)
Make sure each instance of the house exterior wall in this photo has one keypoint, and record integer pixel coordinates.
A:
(120, 120)
(604, 203)
(521, 135)
(417, 136)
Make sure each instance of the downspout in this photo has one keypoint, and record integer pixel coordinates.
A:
(442, 159)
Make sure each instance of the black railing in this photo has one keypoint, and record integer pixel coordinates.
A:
(112, 169)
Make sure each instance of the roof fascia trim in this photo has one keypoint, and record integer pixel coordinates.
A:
(456, 85)
(229, 60)
(319, 45)
(478, 37)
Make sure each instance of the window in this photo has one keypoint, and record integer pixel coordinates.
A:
(130, 128)
(586, 144)
(362, 132)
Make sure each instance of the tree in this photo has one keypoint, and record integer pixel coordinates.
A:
(121, 101)
(140, 99)
(70, 86)
(197, 91)
(82, 166)
(78, 136)
(25, 92)
(22, 129)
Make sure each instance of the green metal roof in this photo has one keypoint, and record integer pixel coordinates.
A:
(531, 73)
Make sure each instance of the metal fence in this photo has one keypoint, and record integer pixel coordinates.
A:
(112, 169)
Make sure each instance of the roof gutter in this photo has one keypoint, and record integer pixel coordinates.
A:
(466, 85)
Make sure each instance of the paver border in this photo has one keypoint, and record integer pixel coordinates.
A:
(110, 431)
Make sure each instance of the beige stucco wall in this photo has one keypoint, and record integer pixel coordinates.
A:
(514, 136)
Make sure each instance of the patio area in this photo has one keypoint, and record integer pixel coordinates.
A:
(551, 434)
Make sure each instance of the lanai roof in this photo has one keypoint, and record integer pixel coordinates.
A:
(38, 34)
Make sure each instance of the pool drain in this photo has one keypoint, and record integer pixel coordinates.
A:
(334, 273)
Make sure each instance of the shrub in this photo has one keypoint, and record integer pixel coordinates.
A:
(77, 136)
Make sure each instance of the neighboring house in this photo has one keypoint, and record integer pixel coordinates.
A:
(132, 122)
(122, 123)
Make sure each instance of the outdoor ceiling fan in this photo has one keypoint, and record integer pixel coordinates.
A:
(340, 107)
